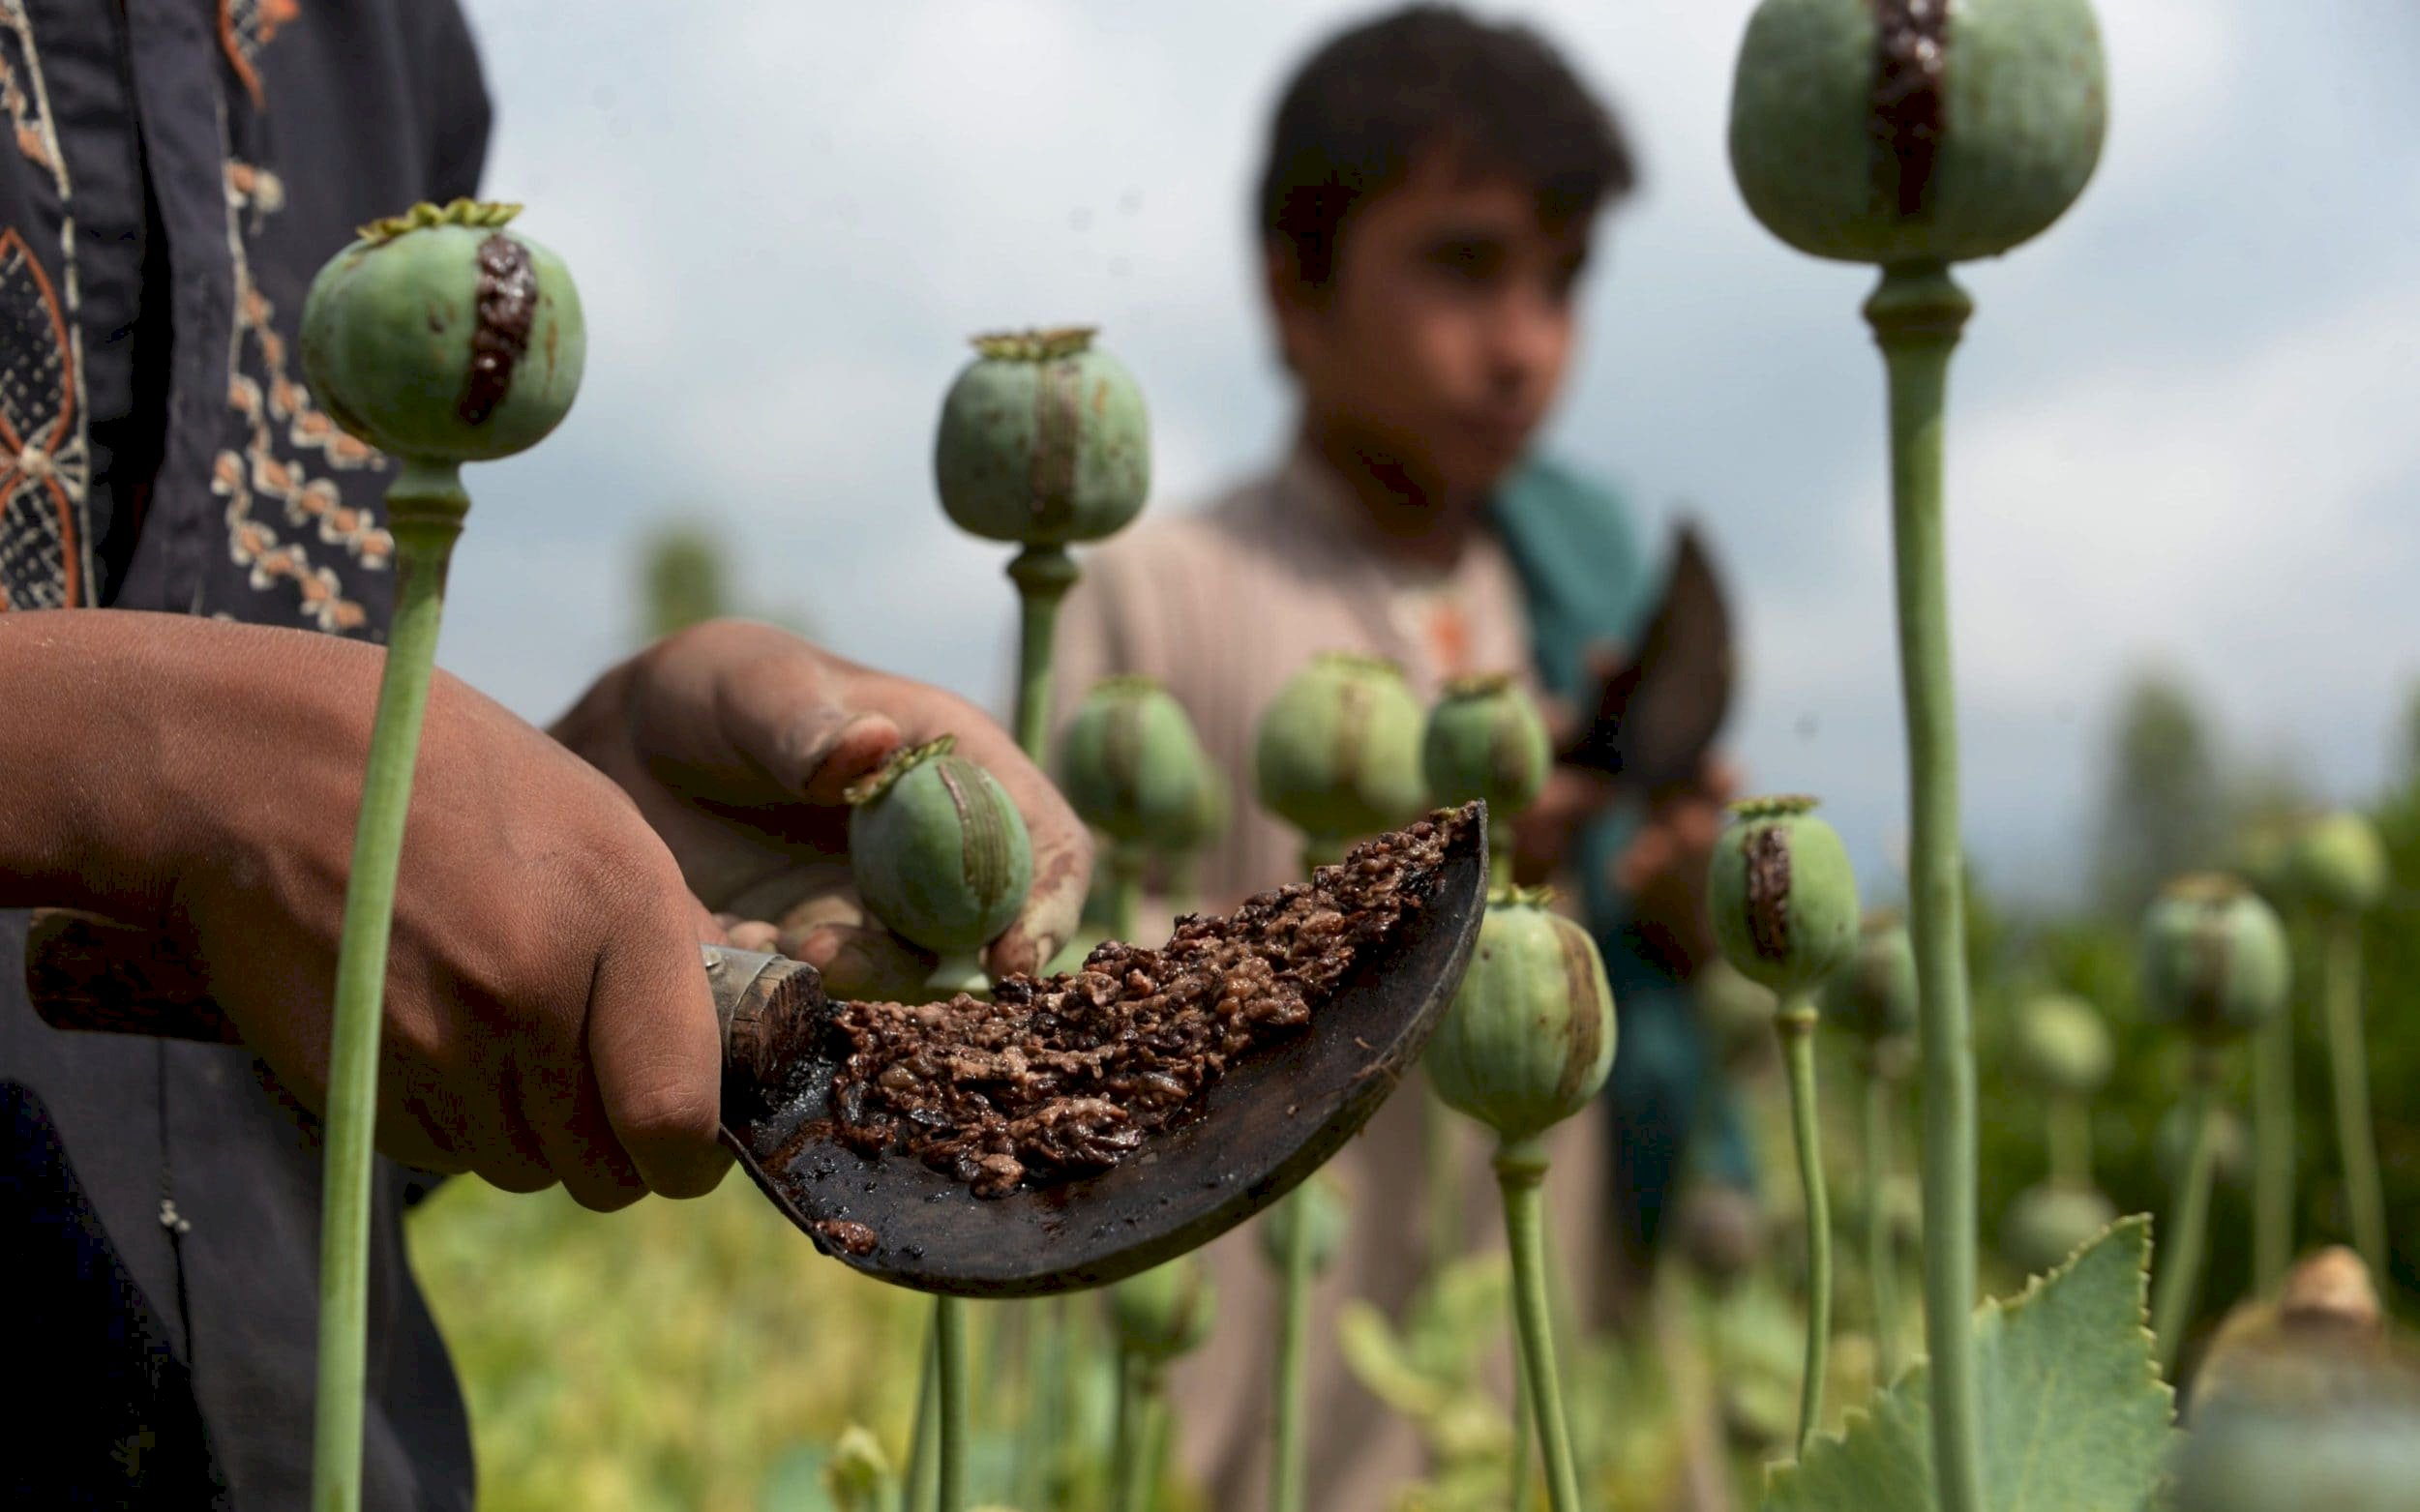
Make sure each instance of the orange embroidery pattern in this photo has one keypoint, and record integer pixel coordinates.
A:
(244, 27)
(283, 426)
(45, 464)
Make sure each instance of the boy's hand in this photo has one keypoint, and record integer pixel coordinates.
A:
(737, 741)
(1663, 867)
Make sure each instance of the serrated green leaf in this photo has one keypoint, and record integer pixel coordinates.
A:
(2076, 1417)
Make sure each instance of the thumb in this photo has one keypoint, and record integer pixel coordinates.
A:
(788, 719)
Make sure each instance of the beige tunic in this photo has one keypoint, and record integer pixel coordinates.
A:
(1223, 605)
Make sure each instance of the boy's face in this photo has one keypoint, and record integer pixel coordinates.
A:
(1443, 335)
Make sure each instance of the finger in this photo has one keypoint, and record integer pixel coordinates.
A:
(753, 935)
(860, 963)
(789, 717)
(657, 1053)
(563, 1105)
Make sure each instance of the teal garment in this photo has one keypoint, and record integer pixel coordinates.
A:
(1587, 585)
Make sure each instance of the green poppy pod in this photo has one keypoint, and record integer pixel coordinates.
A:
(1206, 818)
(2172, 1146)
(2063, 1046)
(1128, 760)
(1318, 1202)
(1166, 1311)
(1485, 740)
(1916, 131)
(1738, 1013)
(1337, 754)
(1873, 996)
(2214, 960)
(1528, 1038)
(2049, 1222)
(1042, 441)
(1781, 894)
(2339, 864)
(442, 336)
(940, 853)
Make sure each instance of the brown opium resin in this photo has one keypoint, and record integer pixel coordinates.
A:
(1056, 1077)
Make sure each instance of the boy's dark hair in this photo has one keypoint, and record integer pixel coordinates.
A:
(1362, 107)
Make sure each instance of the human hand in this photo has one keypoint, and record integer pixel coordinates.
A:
(738, 742)
(546, 1015)
(1663, 867)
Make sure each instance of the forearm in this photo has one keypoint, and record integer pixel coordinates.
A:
(108, 772)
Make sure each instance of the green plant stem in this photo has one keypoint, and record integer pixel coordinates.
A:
(1043, 574)
(1045, 1364)
(2071, 1140)
(1881, 1264)
(2273, 1152)
(1524, 1472)
(949, 1341)
(1158, 1430)
(915, 1487)
(1440, 1183)
(1917, 313)
(1796, 1022)
(1127, 1452)
(1499, 851)
(1294, 1331)
(2173, 1293)
(2356, 1140)
(1520, 1171)
(426, 507)
(1125, 889)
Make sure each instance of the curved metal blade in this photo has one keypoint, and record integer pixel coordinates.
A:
(1264, 1126)
(1659, 715)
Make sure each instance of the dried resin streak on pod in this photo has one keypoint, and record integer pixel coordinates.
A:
(1910, 42)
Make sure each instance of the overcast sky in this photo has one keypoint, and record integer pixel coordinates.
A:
(2186, 423)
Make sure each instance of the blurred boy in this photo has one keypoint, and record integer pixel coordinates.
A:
(1425, 214)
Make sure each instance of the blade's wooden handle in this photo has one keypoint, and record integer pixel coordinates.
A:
(85, 972)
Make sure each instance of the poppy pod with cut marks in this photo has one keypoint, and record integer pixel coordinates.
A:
(445, 336)
(1529, 1037)
(1043, 441)
(1485, 740)
(1338, 750)
(1873, 996)
(1916, 131)
(1781, 894)
(1129, 761)
(2215, 959)
(939, 852)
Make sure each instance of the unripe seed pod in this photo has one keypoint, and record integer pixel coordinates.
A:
(2215, 960)
(442, 336)
(2172, 1146)
(1738, 1013)
(2048, 1223)
(2063, 1046)
(1317, 1203)
(1042, 441)
(1166, 1311)
(1528, 1038)
(939, 852)
(1128, 760)
(1781, 894)
(1916, 131)
(1485, 740)
(1873, 996)
(1206, 818)
(1338, 750)
(2339, 864)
